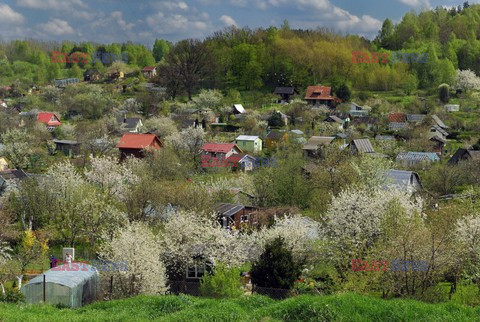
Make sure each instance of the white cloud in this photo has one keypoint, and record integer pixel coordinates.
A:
(416, 3)
(8, 15)
(57, 27)
(228, 21)
(118, 16)
(60, 5)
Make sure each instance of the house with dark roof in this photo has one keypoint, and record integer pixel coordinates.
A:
(274, 138)
(416, 158)
(361, 146)
(130, 124)
(50, 119)
(314, 143)
(68, 147)
(403, 180)
(132, 144)
(464, 155)
(233, 215)
(149, 71)
(285, 93)
(320, 95)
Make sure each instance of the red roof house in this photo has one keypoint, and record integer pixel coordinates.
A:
(220, 150)
(317, 95)
(149, 71)
(397, 117)
(133, 144)
(49, 119)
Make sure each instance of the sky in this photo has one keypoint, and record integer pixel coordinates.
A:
(143, 21)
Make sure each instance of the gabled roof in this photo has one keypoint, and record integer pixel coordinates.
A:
(275, 135)
(363, 145)
(319, 93)
(437, 138)
(46, 118)
(130, 122)
(402, 179)
(334, 118)
(246, 138)
(397, 117)
(284, 90)
(239, 108)
(439, 129)
(228, 209)
(464, 154)
(148, 68)
(315, 141)
(439, 122)
(138, 141)
(219, 147)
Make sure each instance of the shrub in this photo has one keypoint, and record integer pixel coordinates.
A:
(344, 92)
(223, 283)
(275, 268)
(12, 295)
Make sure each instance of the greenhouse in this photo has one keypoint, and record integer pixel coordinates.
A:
(69, 288)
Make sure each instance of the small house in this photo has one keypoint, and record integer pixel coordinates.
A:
(397, 126)
(238, 109)
(50, 119)
(274, 138)
(68, 147)
(130, 124)
(361, 146)
(439, 122)
(397, 118)
(439, 144)
(243, 161)
(149, 71)
(285, 93)
(132, 144)
(404, 180)
(452, 108)
(249, 143)
(359, 111)
(416, 118)
(409, 159)
(320, 95)
(91, 75)
(233, 215)
(464, 155)
(116, 75)
(64, 82)
(314, 143)
(220, 150)
(437, 131)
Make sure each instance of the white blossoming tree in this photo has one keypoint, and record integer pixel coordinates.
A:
(136, 245)
(189, 140)
(467, 80)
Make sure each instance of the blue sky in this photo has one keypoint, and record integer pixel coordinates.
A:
(142, 21)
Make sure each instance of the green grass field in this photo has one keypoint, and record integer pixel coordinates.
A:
(342, 307)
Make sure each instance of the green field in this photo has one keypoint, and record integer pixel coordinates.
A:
(342, 307)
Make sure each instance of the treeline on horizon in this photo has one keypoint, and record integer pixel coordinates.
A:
(261, 59)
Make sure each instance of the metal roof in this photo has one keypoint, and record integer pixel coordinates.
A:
(401, 178)
(228, 209)
(67, 278)
(439, 122)
(315, 141)
(417, 118)
(363, 145)
(284, 90)
(247, 137)
(397, 125)
(439, 129)
(384, 137)
(415, 157)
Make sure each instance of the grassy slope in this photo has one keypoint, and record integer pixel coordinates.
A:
(343, 307)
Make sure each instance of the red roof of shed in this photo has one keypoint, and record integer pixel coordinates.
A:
(219, 147)
(319, 93)
(48, 118)
(397, 117)
(148, 68)
(138, 141)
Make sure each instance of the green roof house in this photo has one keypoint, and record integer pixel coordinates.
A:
(249, 143)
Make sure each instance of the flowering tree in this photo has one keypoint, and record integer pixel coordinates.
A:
(208, 99)
(189, 140)
(137, 245)
(17, 148)
(467, 80)
(162, 126)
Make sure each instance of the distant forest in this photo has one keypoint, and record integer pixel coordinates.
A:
(261, 59)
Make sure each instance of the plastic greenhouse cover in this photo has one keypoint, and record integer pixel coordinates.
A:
(64, 277)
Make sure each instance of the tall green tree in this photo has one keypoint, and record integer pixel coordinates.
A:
(161, 48)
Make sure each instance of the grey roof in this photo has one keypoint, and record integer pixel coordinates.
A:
(228, 209)
(68, 142)
(397, 125)
(415, 157)
(239, 108)
(363, 145)
(437, 138)
(298, 132)
(359, 113)
(439, 122)
(334, 118)
(284, 90)
(67, 278)
(315, 141)
(341, 135)
(384, 137)
(246, 138)
(417, 118)
(12, 174)
(402, 178)
(66, 81)
(130, 122)
(439, 129)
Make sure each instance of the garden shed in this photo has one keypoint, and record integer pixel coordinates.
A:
(70, 288)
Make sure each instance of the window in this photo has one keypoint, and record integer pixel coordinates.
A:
(197, 270)
(244, 218)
